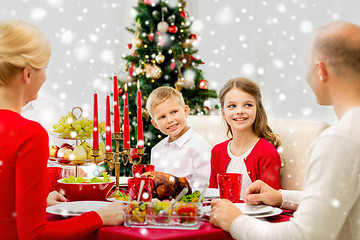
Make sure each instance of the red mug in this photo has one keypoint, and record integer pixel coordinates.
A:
(134, 187)
(55, 173)
(230, 186)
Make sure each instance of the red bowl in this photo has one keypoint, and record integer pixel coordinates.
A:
(86, 191)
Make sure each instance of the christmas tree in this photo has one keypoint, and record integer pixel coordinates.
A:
(162, 55)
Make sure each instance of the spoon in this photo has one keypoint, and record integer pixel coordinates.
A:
(203, 192)
(142, 183)
(181, 194)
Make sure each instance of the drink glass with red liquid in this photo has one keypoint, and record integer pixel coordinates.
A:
(230, 186)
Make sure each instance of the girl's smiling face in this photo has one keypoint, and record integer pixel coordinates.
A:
(239, 110)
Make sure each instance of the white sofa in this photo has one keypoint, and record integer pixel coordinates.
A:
(296, 138)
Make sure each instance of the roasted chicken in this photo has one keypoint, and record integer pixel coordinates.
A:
(167, 186)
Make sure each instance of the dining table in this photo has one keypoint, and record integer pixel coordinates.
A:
(206, 231)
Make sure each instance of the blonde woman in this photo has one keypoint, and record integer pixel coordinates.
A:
(24, 55)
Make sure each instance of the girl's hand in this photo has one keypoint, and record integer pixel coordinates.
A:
(223, 213)
(112, 214)
(260, 193)
(55, 198)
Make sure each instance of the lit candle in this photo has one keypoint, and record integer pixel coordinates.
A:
(126, 120)
(140, 138)
(108, 145)
(116, 106)
(95, 124)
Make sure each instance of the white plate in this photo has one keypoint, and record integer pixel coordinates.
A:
(76, 208)
(252, 210)
(212, 193)
(274, 212)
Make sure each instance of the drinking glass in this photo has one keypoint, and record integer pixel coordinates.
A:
(230, 186)
(134, 187)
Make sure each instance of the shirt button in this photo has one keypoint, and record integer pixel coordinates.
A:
(249, 172)
(245, 159)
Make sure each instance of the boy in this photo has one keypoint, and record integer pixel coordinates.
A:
(182, 153)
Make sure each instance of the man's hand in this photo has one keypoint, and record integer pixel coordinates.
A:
(223, 213)
(55, 198)
(260, 193)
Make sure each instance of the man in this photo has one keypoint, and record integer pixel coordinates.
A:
(329, 206)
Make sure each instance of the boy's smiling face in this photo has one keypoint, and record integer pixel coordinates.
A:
(170, 118)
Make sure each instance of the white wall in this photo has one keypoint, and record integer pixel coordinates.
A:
(263, 40)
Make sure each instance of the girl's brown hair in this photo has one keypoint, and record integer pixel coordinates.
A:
(260, 125)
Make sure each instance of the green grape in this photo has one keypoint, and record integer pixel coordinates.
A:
(77, 127)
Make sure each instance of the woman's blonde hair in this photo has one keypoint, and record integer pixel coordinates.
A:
(21, 45)
(160, 95)
(260, 125)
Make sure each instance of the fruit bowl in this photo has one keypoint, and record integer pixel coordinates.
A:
(86, 191)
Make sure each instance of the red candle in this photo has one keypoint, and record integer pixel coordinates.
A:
(108, 145)
(126, 120)
(95, 124)
(140, 138)
(116, 106)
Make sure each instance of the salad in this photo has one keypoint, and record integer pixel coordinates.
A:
(73, 179)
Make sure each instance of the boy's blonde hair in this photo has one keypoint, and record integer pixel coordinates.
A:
(160, 95)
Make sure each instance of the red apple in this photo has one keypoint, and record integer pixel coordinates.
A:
(66, 145)
(53, 150)
(64, 154)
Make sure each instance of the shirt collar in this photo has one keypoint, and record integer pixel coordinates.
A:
(183, 139)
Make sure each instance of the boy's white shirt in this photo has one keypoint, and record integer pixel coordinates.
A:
(188, 156)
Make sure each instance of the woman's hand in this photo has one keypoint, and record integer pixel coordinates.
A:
(55, 198)
(112, 214)
(260, 193)
(223, 213)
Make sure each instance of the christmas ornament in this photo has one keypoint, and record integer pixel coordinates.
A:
(148, 69)
(137, 42)
(145, 114)
(204, 84)
(187, 43)
(172, 65)
(179, 84)
(156, 15)
(189, 83)
(163, 27)
(156, 72)
(173, 29)
(183, 14)
(138, 71)
(151, 37)
(185, 60)
(147, 1)
(193, 36)
(160, 58)
(129, 45)
(131, 69)
(171, 19)
(120, 91)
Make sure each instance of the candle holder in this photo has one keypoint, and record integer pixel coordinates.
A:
(115, 160)
(109, 159)
(95, 154)
(140, 153)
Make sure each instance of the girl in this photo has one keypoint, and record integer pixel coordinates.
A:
(252, 149)
(24, 146)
